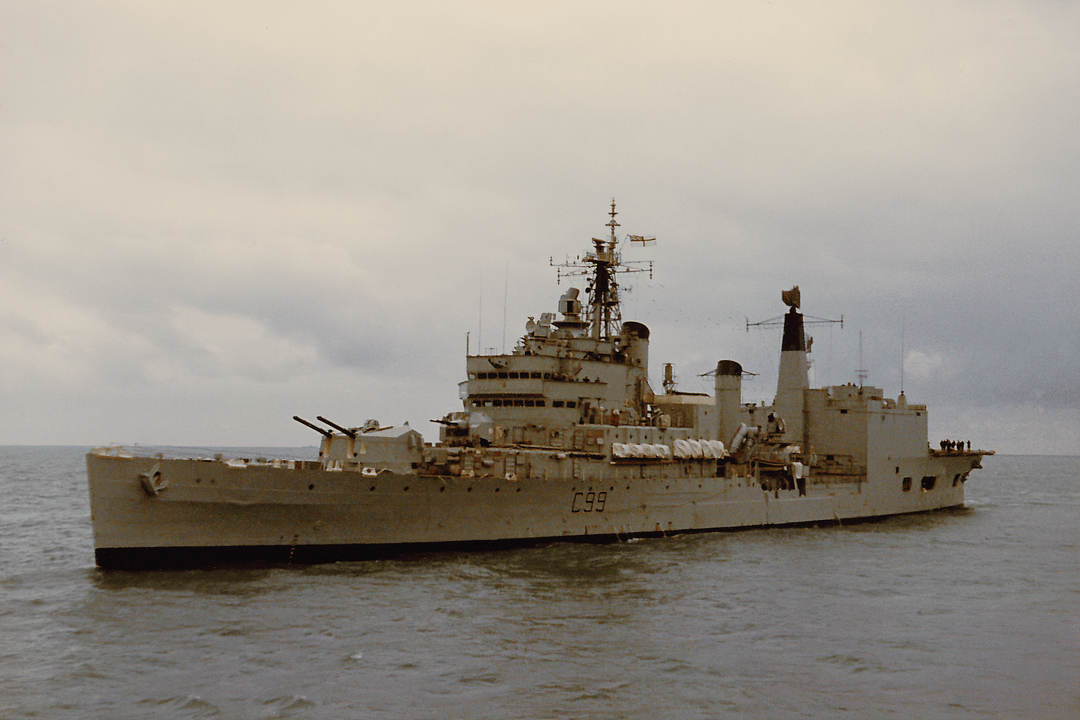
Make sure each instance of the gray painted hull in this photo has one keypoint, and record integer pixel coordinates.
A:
(211, 511)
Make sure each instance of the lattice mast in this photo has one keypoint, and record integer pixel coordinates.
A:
(602, 266)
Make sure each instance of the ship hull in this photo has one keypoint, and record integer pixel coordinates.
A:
(158, 512)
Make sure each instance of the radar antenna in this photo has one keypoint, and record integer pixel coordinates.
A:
(602, 266)
(807, 320)
(799, 340)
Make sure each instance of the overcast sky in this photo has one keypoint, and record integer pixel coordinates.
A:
(214, 216)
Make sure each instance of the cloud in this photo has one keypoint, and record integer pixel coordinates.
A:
(280, 206)
(920, 366)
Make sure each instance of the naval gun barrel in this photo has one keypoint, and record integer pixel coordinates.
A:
(454, 420)
(316, 428)
(345, 431)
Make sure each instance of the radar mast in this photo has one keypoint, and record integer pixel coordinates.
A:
(602, 266)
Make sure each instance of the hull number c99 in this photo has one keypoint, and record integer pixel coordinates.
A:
(588, 502)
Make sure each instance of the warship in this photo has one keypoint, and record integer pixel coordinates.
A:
(564, 438)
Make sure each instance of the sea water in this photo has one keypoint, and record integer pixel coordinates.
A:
(971, 613)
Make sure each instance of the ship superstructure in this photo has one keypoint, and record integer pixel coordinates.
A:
(562, 438)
